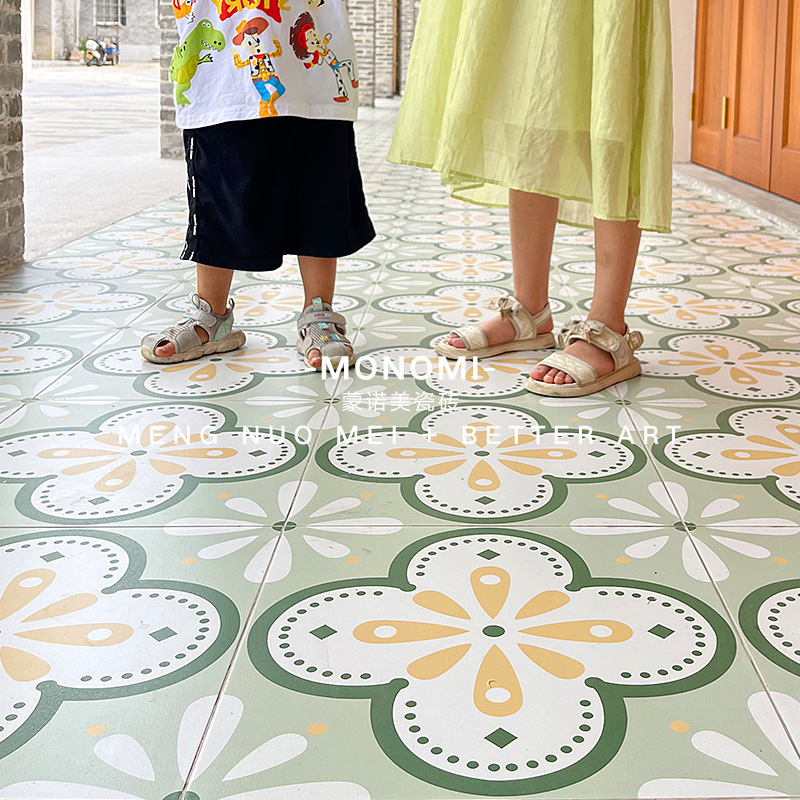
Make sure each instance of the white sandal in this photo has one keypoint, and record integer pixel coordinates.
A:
(586, 380)
(525, 336)
(222, 336)
(321, 328)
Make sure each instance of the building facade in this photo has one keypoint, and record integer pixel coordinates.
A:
(54, 27)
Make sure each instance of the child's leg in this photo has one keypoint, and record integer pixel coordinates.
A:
(319, 279)
(533, 222)
(213, 285)
(616, 250)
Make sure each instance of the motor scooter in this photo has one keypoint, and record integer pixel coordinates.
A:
(95, 54)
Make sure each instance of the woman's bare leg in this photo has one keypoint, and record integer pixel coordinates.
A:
(213, 285)
(616, 251)
(319, 280)
(532, 218)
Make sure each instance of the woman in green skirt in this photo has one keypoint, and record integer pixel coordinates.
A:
(562, 111)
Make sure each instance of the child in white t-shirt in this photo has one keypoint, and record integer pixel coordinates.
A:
(267, 99)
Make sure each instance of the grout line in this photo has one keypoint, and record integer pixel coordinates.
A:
(246, 624)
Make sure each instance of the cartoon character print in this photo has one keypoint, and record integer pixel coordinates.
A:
(186, 57)
(312, 50)
(262, 70)
(183, 8)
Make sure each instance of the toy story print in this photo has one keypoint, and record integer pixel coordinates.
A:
(258, 38)
(262, 70)
(313, 50)
(187, 57)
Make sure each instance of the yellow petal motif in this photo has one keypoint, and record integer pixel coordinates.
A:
(543, 603)
(483, 477)
(23, 589)
(75, 602)
(557, 664)
(440, 603)
(497, 691)
(393, 631)
(432, 666)
(491, 585)
(584, 630)
(22, 666)
(89, 635)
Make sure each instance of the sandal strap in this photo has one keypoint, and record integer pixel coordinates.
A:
(525, 324)
(580, 371)
(472, 335)
(183, 335)
(619, 346)
(317, 330)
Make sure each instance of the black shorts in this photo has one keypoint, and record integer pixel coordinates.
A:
(263, 188)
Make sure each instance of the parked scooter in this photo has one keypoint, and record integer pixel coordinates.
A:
(95, 54)
(99, 53)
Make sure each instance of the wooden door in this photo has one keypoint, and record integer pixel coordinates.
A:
(786, 133)
(709, 146)
(751, 90)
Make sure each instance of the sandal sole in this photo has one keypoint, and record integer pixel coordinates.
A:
(545, 341)
(632, 370)
(232, 341)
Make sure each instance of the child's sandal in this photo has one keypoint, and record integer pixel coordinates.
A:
(525, 336)
(222, 336)
(586, 380)
(321, 328)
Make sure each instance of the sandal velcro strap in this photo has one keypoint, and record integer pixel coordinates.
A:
(620, 346)
(473, 336)
(505, 305)
(580, 371)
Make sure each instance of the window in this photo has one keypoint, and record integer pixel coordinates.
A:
(109, 12)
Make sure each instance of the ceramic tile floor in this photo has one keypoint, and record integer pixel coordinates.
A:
(606, 614)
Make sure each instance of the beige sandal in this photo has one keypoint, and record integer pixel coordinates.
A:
(525, 327)
(621, 347)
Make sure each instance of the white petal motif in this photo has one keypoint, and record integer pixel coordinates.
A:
(279, 564)
(124, 753)
(325, 547)
(606, 526)
(295, 495)
(246, 506)
(370, 526)
(337, 506)
(647, 548)
(624, 504)
(276, 751)
(745, 548)
(728, 751)
(226, 718)
(771, 725)
(670, 496)
(692, 563)
(721, 506)
(199, 526)
(225, 548)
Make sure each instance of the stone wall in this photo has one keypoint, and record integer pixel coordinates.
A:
(171, 139)
(12, 231)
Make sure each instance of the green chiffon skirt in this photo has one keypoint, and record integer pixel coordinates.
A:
(568, 98)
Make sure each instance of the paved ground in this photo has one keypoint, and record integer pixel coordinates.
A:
(460, 611)
(91, 150)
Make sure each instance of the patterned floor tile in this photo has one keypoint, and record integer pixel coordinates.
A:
(159, 627)
(378, 659)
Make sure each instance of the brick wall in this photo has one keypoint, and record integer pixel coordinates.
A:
(12, 232)
(171, 139)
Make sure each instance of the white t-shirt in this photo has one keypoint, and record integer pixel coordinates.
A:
(244, 59)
